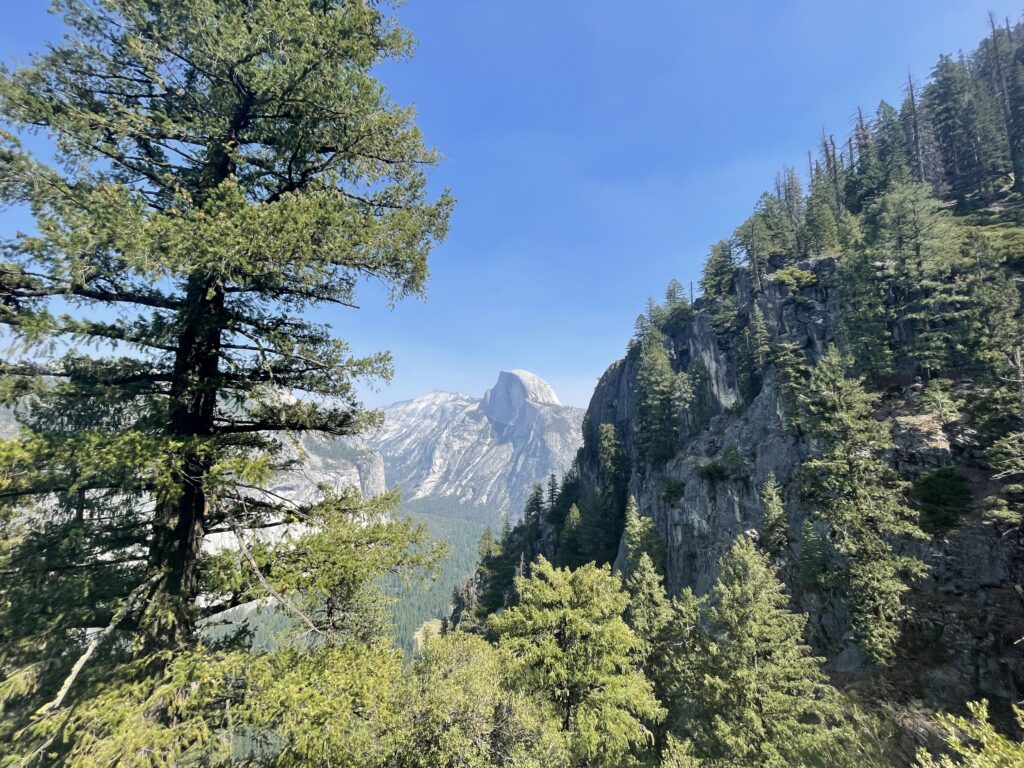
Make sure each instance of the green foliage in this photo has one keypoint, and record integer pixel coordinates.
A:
(728, 467)
(461, 708)
(747, 690)
(569, 540)
(576, 651)
(719, 270)
(859, 497)
(661, 396)
(974, 742)
(794, 278)
(207, 190)
(641, 538)
(466, 532)
(672, 490)
(937, 401)
(775, 521)
(812, 555)
(942, 495)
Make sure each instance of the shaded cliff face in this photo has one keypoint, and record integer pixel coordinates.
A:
(487, 451)
(968, 612)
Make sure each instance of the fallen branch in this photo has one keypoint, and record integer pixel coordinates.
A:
(90, 649)
(284, 601)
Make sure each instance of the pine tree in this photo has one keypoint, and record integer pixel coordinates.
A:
(460, 707)
(920, 147)
(649, 610)
(891, 147)
(569, 549)
(973, 147)
(641, 538)
(748, 690)
(208, 188)
(974, 742)
(774, 523)
(532, 513)
(577, 652)
(865, 313)
(661, 396)
(789, 192)
(911, 231)
(865, 178)
(719, 270)
(859, 497)
(821, 229)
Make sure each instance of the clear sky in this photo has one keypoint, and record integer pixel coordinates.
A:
(596, 149)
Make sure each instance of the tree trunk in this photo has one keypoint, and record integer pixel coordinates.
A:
(180, 516)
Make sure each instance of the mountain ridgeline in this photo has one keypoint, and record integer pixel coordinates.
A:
(484, 452)
(451, 448)
(846, 393)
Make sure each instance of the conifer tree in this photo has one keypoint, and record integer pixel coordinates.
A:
(460, 708)
(641, 538)
(649, 610)
(748, 690)
(974, 742)
(661, 395)
(821, 229)
(220, 168)
(860, 499)
(719, 270)
(920, 242)
(774, 523)
(920, 147)
(575, 650)
(569, 550)
(890, 141)
(789, 191)
(973, 148)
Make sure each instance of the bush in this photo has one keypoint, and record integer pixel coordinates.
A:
(725, 468)
(940, 496)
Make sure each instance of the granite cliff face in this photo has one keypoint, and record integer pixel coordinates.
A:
(969, 611)
(479, 451)
(486, 451)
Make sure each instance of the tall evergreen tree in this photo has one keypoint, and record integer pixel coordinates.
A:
(661, 396)
(641, 538)
(973, 147)
(859, 497)
(220, 168)
(748, 690)
(774, 522)
(719, 270)
(576, 650)
(460, 708)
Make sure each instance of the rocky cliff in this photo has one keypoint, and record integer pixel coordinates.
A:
(968, 617)
(486, 451)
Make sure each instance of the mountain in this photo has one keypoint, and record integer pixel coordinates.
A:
(742, 422)
(480, 451)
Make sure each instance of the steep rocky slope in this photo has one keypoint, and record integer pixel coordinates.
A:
(485, 451)
(962, 641)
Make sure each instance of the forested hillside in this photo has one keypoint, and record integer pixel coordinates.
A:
(792, 536)
(833, 430)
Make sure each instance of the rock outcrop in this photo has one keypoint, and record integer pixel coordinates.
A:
(962, 642)
(487, 451)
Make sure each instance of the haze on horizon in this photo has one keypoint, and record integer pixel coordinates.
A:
(596, 152)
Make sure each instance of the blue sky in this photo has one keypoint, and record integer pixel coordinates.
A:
(596, 149)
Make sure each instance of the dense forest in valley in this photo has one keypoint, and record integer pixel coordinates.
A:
(792, 536)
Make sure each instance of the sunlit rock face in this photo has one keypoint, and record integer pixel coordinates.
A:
(445, 445)
(487, 450)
